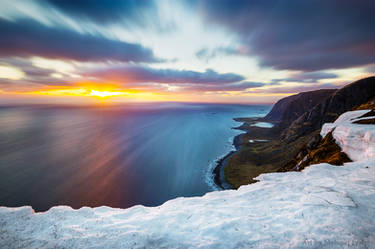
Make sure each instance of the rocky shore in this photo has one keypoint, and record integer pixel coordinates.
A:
(219, 174)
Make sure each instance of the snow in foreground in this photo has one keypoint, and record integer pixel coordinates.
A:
(321, 207)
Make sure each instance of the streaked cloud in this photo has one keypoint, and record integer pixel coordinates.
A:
(214, 50)
(26, 38)
(308, 77)
(10, 72)
(104, 11)
(208, 54)
(231, 87)
(296, 88)
(299, 35)
(134, 74)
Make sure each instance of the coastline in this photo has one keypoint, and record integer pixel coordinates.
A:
(247, 124)
(218, 171)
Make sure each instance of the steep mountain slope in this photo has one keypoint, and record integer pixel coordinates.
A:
(279, 108)
(288, 109)
(299, 119)
(342, 100)
(317, 150)
(327, 149)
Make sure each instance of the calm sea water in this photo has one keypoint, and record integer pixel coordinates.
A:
(116, 156)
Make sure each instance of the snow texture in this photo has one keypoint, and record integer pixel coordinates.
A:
(323, 206)
(356, 140)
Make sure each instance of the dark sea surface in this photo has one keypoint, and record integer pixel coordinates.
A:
(117, 156)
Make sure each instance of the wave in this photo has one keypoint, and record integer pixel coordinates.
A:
(209, 176)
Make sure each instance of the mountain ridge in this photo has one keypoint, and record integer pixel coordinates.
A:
(288, 109)
(344, 99)
(264, 150)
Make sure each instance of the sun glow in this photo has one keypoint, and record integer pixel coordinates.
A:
(83, 92)
(104, 94)
(96, 92)
(111, 93)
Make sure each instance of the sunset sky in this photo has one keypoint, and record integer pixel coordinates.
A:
(167, 50)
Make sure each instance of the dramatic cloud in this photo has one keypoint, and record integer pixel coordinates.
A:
(141, 77)
(263, 47)
(133, 74)
(100, 11)
(33, 77)
(296, 89)
(28, 38)
(243, 85)
(308, 77)
(227, 87)
(207, 54)
(300, 35)
(27, 67)
(130, 76)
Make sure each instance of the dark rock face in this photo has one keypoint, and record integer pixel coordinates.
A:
(313, 143)
(288, 109)
(342, 100)
(370, 121)
(317, 150)
(292, 107)
(279, 108)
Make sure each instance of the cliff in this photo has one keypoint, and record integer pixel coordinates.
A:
(345, 99)
(296, 133)
(288, 109)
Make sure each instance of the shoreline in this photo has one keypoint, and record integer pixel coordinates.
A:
(218, 171)
(221, 164)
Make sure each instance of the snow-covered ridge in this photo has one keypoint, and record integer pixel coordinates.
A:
(357, 141)
(323, 206)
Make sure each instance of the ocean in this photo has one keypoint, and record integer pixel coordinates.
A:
(117, 156)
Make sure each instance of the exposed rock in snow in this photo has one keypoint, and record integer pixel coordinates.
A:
(320, 207)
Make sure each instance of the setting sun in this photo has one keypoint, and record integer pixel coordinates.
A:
(104, 94)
